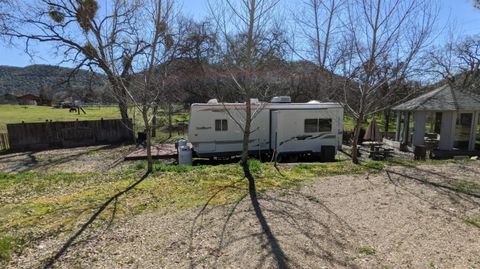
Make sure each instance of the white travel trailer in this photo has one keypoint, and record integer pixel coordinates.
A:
(279, 128)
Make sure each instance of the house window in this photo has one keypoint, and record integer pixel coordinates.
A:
(318, 125)
(221, 125)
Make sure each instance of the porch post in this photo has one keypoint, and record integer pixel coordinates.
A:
(447, 130)
(399, 125)
(473, 132)
(406, 128)
(418, 128)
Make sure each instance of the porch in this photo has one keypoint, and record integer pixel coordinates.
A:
(445, 121)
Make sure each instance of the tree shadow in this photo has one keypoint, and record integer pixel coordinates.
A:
(303, 232)
(32, 162)
(440, 187)
(64, 249)
(276, 250)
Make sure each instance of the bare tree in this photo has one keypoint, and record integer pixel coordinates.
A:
(457, 62)
(383, 41)
(6, 7)
(321, 28)
(86, 35)
(250, 40)
(154, 30)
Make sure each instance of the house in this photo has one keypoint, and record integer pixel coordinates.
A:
(28, 99)
(449, 116)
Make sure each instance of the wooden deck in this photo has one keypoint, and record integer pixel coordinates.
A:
(159, 151)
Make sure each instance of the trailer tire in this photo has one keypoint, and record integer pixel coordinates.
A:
(280, 158)
(292, 158)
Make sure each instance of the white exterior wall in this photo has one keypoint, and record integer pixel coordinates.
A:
(419, 118)
(473, 131)
(447, 131)
(206, 139)
(289, 125)
(290, 132)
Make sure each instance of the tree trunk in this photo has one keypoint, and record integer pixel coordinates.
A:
(356, 135)
(170, 127)
(154, 121)
(148, 132)
(123, 110)
(121, 97)
(246, 138)
(386, 115)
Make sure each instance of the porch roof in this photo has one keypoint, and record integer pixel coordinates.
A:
(445, 98)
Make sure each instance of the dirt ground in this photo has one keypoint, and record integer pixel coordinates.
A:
(75, 160)
(400, 218)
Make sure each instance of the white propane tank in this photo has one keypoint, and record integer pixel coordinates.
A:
(184, 153)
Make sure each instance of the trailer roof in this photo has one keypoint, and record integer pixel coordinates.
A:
(309, 105)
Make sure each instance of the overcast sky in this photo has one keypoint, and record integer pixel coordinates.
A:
(458, 12)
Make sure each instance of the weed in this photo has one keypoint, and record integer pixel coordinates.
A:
(375, 165)
(161, 167)
(350, 258)
(367, 250)
(140, 165)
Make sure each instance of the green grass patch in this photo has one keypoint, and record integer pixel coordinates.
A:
(6, 248)
(475, 222)
(467, 187)
(367, 250)
(19, 113)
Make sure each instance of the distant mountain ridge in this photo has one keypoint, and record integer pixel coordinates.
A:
(31, 79)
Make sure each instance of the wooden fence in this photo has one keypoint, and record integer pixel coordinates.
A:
(4, 145)
(64, 134)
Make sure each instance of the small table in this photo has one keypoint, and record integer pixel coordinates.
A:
(377, 152)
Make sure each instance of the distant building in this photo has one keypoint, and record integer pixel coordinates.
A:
(8, 98)
(28, 99)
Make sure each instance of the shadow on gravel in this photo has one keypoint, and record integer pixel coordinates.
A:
(275, 248)
(316, 232)
(51, 261)
(446, 186)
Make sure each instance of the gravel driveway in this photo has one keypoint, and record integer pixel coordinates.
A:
(400, 218)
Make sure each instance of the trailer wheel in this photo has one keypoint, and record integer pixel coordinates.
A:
(280, 158)
(292, 158)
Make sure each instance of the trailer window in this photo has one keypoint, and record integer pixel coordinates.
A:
(311, 125)
(221, 125)
(324, 125)
(318, 125)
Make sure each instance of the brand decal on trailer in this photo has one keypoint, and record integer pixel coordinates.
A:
(308, 137)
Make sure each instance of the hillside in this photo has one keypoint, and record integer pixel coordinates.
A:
(53, 79)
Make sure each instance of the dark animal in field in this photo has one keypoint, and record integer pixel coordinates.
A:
(77, 109)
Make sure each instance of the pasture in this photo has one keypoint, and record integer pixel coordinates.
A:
(19, 113)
